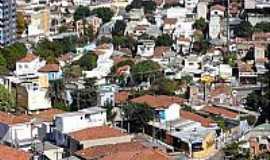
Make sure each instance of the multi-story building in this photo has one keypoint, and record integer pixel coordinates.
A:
(7, 21)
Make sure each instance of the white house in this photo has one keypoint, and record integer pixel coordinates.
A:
(145, 48)
(167, 108)
(85, 118)
(28, 65)
(32, 96)
(202, 10)
(107, 95)
(214, 27)
(217, 10)
(16, 130)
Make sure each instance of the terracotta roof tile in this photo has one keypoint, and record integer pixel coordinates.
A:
(8, 153)
(171, 1)
(160, 51)
(220, 111)
(122, 151)
(218, 7)
(96, 133)
(222, 89)
(47, 115)
(49, 68)
(170, 21)
(10, 119)
(121, 97)
(161, 101)
(206, 122)
(28, 58)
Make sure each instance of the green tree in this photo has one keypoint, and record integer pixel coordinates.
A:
(3, 65)
(72, 72)
(86, 97)
(63, 29)
(262, 27)
(104, 13)
(88, 61)
(245, 29)
(165, 86)
(81, 12)
(56, 92)
(7, 100)
(149, 6)
(103, 40)
(89, 34)
(230, 58)
(119, 28)
(200, 24)
(259, 101)
(111, 114)
(145, 70)
(164, 40)
(119, 41)
(21, 24)
(12, 53)
(137, 115)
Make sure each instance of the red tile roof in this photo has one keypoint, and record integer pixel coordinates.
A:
(50, 68)
(8, 153)
(47, 115)
(10, 119)
(160, 51)
(161, 101)
(122, 151)
(28, 58)
(170, 21)
(121, 97)
(206, 122)
(222, 89)
(218, 7)
(220, 111)
(96, 133)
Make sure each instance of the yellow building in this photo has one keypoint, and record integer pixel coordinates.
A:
(39, 22)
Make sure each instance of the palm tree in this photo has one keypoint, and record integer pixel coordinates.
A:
(56, 92)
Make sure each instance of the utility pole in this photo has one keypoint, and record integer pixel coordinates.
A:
(228, 25)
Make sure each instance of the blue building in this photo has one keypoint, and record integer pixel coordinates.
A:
(53, 70)
(7, 22)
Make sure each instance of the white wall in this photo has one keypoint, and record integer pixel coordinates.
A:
(67, 124)
(17, 132)
(37, 100)
(173, 112)
(29, 67)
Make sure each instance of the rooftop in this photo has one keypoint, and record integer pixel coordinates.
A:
(49, 68)
(121, 97)
(8, 153)
(123, 151)
(206, 122)
(47, 115)
(96, 133)
(28, 58)
(220, 111)
(10, 119)
(161, 101)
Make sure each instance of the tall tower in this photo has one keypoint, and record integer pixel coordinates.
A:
(7, 22)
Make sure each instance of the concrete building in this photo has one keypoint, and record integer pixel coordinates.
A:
(214, 27)
(39, 23)
(16, 130)
(8, 22)
(74, 121)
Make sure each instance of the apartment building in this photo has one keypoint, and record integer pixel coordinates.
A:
(7, 21)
